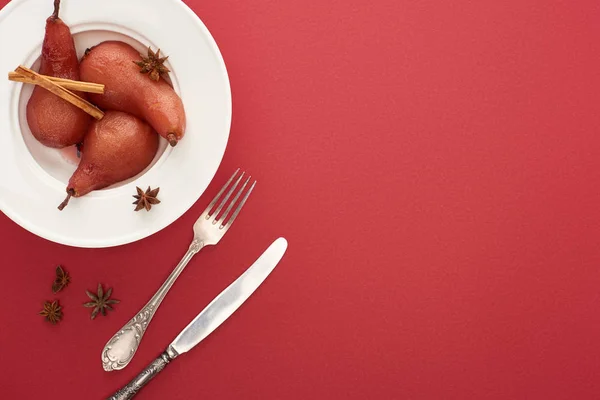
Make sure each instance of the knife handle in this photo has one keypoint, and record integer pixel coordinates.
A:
(131, 389)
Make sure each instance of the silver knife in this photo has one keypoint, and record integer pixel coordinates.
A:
(211, 317)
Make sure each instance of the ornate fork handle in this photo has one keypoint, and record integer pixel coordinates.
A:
(120, 349)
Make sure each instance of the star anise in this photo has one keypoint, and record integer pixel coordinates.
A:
(146, 199)
(61, 281)
(153, 65)
(52, 312)
(100, 301)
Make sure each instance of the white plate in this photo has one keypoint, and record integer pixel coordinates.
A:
(33, 177)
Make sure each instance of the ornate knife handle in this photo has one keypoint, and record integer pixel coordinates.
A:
(121, 348)
(131, 389)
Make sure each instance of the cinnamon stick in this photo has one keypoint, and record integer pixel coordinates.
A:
(61, 92)
(66, 83)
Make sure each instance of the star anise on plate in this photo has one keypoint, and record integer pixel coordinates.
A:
(153, 65)
(146, 199)
(52, 311)
(61, 281)
(100, 301)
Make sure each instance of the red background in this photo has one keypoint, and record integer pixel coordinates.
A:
(435, 168)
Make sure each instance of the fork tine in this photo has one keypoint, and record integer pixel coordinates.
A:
(227, 196)
(239, 207)
(232, 203)
(214, 201)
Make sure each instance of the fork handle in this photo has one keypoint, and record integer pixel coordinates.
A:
(121, 348)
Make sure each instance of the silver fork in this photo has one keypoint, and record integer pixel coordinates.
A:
(208, 230)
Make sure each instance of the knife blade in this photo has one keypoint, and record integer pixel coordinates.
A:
(211, 317)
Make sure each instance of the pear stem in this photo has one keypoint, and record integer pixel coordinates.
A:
(70, 193)
(56, 9)
(172, 139)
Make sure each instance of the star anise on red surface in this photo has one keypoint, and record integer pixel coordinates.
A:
(146, 199)
(61, 281)
(100, 301)
(153, 65)
(52, 311)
